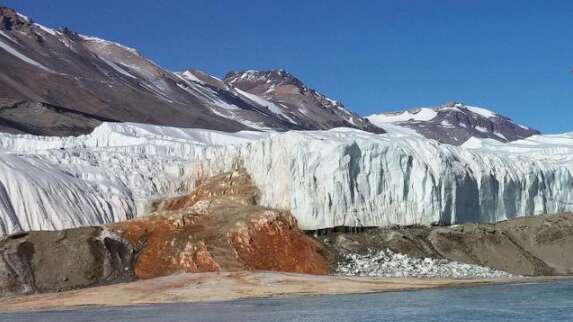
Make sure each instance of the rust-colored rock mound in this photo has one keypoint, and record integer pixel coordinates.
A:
(219, 227)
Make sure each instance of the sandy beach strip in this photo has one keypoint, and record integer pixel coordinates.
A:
(201, 287)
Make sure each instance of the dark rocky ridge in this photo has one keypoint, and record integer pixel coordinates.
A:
(42, 261)
(538, 245)
(21, 117)
(10, 20)
(297, 100)
(108, 80)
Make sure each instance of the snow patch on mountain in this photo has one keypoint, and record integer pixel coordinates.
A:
(107, 42)
(454, 123)
(46, 29)
(190, 76)
(481, 111)
(500, 135)
(481, 129)
(263, 102)
(293, 101)
(7, 36)
(23, 57)
(401, 130)
(25, 18)
(117, 68)
(421, 114)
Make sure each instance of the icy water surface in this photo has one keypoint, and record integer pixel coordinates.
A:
(518, 302)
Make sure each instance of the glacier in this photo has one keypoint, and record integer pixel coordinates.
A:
(338, 177)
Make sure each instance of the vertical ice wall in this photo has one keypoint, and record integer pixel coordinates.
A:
(340, 177)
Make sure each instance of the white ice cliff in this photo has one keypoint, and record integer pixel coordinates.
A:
(340, 177)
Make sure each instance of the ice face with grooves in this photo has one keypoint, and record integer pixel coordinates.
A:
(339, 177)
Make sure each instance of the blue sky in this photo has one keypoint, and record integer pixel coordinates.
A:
(514, 57)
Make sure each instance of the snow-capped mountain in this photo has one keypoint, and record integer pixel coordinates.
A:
(287, 96)
(337, 177)
(454, 123)
(87, 79)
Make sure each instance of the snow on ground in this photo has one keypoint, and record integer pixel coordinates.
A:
(263, 102)
(481, 111)
(188, 75)
(500, 135)
(339, 177)
(107, 42)
(446, 124)
(420, 114)
(385, 263)
(196, 87)
(117, 68)
(394, 129)
(8, 37)
(481, 129)
(46, 29)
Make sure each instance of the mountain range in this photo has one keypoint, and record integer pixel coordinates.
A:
(454, 123)
(59, 82)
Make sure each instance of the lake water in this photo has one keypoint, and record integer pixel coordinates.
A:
(517, 302)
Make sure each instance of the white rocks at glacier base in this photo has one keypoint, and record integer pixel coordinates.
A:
(385, 263)
(339, 177)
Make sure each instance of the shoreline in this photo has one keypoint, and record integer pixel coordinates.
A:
(229, 286)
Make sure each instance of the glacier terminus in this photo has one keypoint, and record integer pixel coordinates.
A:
(327, 178)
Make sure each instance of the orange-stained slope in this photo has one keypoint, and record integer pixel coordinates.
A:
(219, 227)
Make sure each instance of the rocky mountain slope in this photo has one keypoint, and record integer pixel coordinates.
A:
(339, 177)
(17, 116)
(453, 123)
(85, 80)
(104, 80)
(288, 96)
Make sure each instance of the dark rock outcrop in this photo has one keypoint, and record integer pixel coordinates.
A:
(11, 21)
(45, 119)
(539, 245)
(43, 261)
